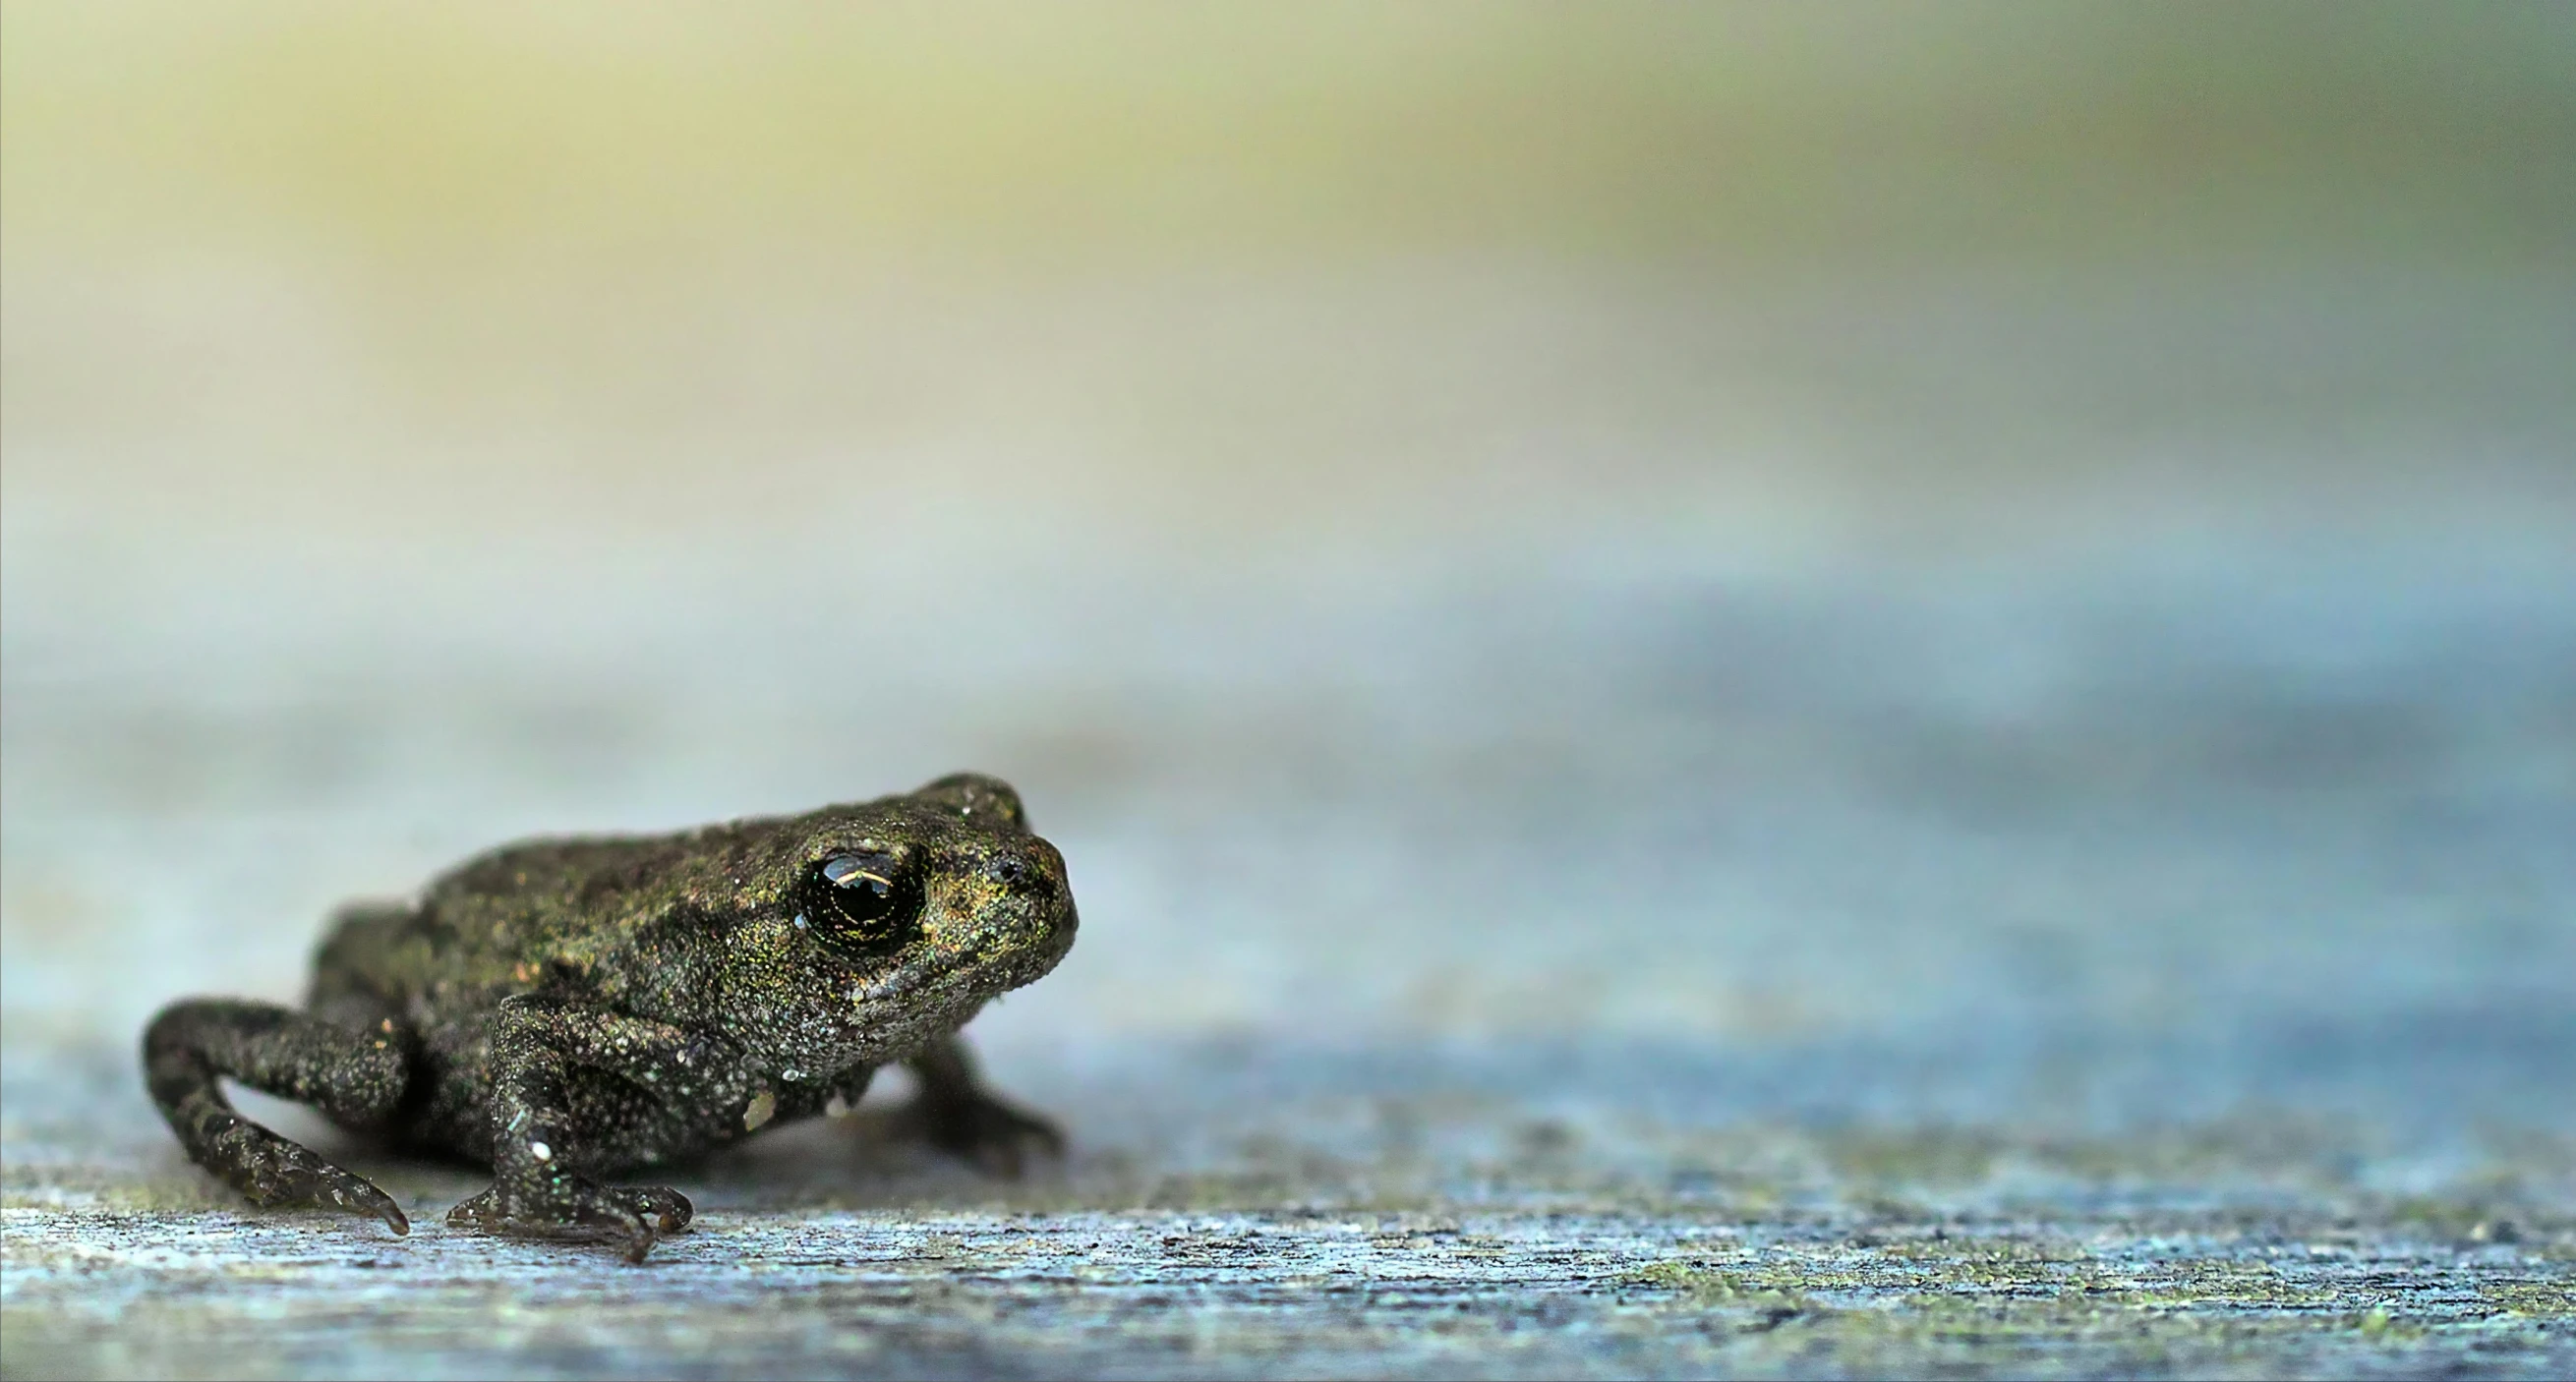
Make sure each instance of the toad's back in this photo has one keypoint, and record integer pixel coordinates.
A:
(506, 919)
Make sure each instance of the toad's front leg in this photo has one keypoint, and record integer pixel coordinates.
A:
(539, 1147)
(957, 1114)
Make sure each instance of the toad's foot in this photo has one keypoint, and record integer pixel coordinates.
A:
(995, 1137)
(637, 1215)
(274, 1173)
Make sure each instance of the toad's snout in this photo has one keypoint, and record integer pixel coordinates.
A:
(1029, 867)
(1006, 897)
(1035, 915)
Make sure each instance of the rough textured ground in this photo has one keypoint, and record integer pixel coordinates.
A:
(1420, 1235)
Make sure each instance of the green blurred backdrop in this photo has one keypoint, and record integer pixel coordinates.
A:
(1778, 273)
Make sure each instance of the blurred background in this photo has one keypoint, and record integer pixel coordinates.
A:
(2003, 565)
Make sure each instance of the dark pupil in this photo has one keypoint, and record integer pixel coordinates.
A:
(863, 888)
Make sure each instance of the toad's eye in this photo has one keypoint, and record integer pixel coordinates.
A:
(867, 898)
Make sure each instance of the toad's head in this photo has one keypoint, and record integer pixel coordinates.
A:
(891, 922)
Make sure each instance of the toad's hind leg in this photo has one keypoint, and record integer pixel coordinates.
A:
(356, 1079)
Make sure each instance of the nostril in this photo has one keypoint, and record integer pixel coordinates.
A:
(1010, 870)
(1028, 866)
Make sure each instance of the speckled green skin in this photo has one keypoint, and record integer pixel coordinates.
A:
(563, 1010)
